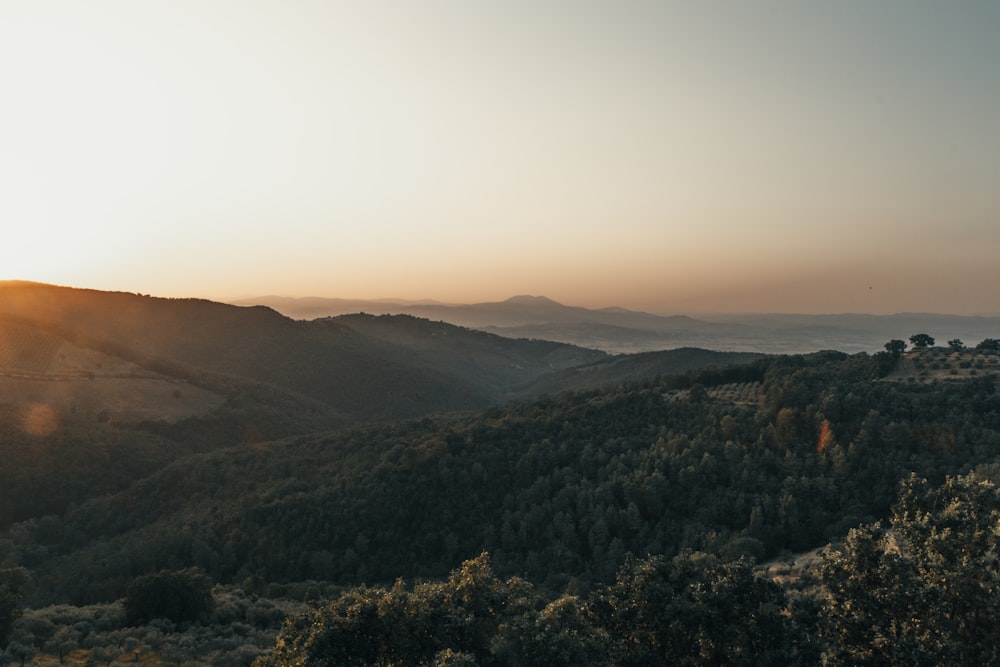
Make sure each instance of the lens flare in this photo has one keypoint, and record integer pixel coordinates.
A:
(825, 436)
(40, 420)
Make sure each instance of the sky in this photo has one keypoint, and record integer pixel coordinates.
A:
(676, 157)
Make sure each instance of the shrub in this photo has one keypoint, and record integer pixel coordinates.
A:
(179, 596)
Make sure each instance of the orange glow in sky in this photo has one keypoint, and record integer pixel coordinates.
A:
(670, 156)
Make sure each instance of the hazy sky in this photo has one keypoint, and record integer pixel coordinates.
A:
(671, 156)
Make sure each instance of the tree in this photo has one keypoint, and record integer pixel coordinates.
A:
(888, 360)
(956, 344)
(924, 592)
(455, 622)
(346, 632)
(449, 658)
(17, 652)
(694, 610)
(895, 347)
(921, 340)
(177, 595)
(989, 345)
(62, 642)
(13, 582)
(561, 634)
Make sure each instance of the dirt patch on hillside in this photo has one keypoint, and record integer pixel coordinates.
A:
(55, 379)
(119, 399)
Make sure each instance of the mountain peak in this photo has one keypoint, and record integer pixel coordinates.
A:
(528, 300)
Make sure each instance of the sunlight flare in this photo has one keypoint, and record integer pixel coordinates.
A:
(40, 420)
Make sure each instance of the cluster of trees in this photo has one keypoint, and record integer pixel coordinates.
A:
(921, 341)
(238, 629)
(13, 581)
(692, 609)
(922, 592)
(179, 596)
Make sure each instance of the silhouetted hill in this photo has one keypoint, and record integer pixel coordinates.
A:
(639, 367)
(615, 330)
(323, 372)
(497, 365)
(619, 330)
(517, 311)
(347, 368)
(362, 371)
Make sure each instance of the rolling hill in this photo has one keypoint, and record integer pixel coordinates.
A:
(342, 369)
(350, 370)
(614, 330)
(90, 378)
(618, 330)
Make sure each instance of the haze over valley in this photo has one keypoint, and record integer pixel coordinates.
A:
(618, 330)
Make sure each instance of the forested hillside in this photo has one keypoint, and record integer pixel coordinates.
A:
(782, 454)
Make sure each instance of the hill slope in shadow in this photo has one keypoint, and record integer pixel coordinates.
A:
(356, 369)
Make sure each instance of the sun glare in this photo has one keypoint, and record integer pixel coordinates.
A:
(40, 420)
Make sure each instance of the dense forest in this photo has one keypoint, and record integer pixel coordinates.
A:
(614, 523)
(919, 592)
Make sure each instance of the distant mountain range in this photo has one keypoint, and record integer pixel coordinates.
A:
(617, 330)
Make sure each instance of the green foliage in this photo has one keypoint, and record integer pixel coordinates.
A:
(556, 489)
(989, 345)
(923, 592)
(563, 633)
(232, 635)
(895, 347)
(452, 622)
(179, 596)
(43, 475)
(13, 585)
(922, 340)
(692, 610)
(562, 491)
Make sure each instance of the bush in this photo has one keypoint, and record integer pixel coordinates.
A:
(179, 596)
